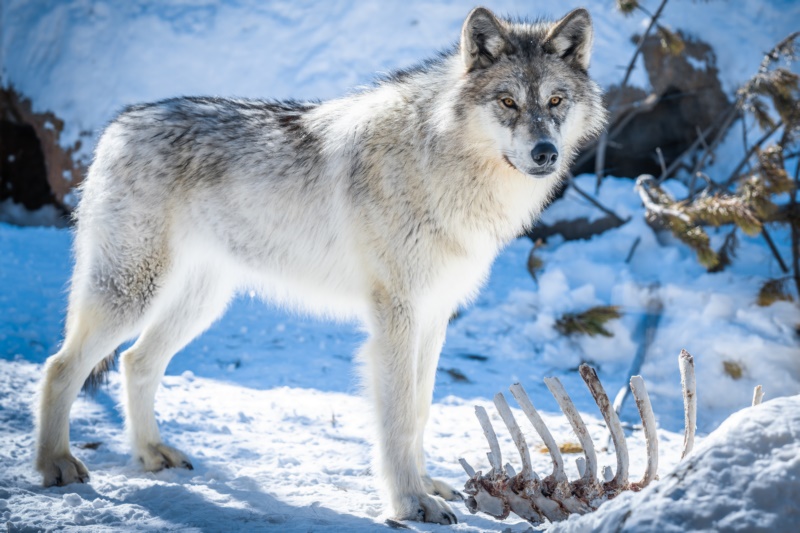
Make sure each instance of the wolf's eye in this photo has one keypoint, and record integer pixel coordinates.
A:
(555, 100)
(508, 102)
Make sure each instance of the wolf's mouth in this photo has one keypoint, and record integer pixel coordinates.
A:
(509, 163)
(537, 172)
(541, 171)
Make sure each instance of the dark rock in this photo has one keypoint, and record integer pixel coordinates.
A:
(690, 98)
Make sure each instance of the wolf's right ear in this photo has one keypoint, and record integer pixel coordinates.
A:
(483, 39)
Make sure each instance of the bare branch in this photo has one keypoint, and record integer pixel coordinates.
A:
(602, 142)
(593, 201)
(735, 174)
(774, 249)
(660, 155)
(650, 205)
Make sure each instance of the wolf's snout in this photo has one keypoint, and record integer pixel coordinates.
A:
(544, 154)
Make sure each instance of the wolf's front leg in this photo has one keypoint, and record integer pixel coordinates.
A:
(391, 359)
(431, 341)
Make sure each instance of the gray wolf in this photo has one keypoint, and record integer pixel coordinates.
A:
(387, 206)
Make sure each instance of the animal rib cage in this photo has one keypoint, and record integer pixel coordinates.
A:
(502, 490)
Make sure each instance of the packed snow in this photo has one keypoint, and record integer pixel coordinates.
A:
(267, 405)
(744, 477)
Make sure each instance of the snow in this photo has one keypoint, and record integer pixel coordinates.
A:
(113, 54)
(47, 215)
(267, 405)
(745, 476)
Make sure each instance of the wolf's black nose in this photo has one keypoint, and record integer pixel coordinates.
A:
(544, 154)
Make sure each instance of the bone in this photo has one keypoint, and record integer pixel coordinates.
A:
(467, 467)
(495, 458)
(686, 364)
(490, 504)
(525, 403)
(589, 375)
(502, 491)
(580, 463)
(522, 506)
(649, 425)
(758, 395)
(510, 470)
(516, 434)
(578, 426)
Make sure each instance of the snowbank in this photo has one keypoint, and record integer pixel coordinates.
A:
(745, 476)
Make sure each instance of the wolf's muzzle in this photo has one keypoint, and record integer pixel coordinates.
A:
(544, 155)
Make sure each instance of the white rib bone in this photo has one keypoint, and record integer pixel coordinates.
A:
(510, 470)
(649, 425)
(758, 395)
(467, 467)
(525, 403)
(536, 504)
(558, 484)
(516, 434)
(489, 504)
(502, 491)
(578, 426)
(589, 375)
(580, 463)
(686, 364)
(495, 458)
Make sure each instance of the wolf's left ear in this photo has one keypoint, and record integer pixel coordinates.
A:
(483, 39)
(571, 38)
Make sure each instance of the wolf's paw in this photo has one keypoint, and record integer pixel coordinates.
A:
(425, 508)
(62, 471)
(438, 487)
(159, 456)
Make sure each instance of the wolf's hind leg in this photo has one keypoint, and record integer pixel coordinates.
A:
(186, 314)
(91, 336)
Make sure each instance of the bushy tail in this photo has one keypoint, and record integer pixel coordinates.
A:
(99, 375)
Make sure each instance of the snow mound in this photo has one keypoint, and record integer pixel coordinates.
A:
(745, 476)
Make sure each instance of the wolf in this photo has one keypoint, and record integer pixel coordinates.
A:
(386, 206)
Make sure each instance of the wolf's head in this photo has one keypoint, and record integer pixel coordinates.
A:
(529, 88)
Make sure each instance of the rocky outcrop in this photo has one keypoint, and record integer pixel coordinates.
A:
(689, 98)
(35, 170)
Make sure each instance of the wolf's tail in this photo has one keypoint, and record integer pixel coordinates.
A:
(99, 375)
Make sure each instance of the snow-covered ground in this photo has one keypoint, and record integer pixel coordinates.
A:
(267, 404)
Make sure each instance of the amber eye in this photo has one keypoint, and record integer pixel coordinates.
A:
(555, 100)
(508, 102)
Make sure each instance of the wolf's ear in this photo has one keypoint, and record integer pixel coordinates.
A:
(571, 38)
(483, 39)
